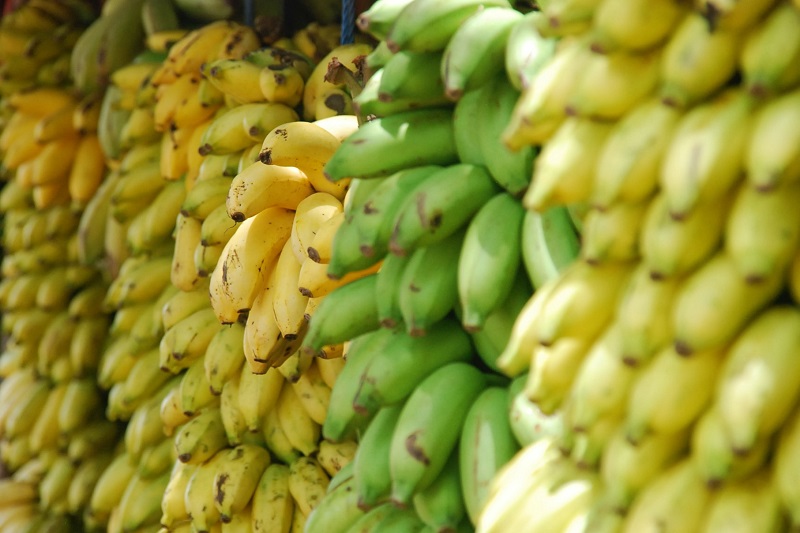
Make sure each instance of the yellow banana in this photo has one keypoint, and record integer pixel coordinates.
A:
(247, 258)
(173, 505)
(301, 430)
(201, 438)
(236, 478)
(319, 249)
(284, 84)
(771, 156)
(272, 503)
(314, 394)
(288, 303)
(307, 146)
(183, 273)
(259, 186)
(224, 356)
(258, 394)
(308, 483)
(199, 494)
(88, 170)
(186, 341)
(237, 78)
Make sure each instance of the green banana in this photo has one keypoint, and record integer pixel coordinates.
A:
(393, 373)
(412, 76)
(378, 18)
(488, 261)
(475, 53)
(373, 220)
(344, 313)
(487, 443)
(467, 115)
(370, 101)
(371, 471)
(428, 289)
(550, 243)
(428, 25)
(441, 504)
(429, 427)
(385, 145)
(527, 50)
(338, 510)
(386, 287)
(346, 254)
(494, 335)
(511, 169)
(342, 421)
(440, 206)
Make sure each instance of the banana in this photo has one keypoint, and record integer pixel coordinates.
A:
(374, 219)
(379, 386)
(640, 312)
(335, 457)
(88, 170)
(317, 83)
(224, 356)
(284, 84)
(241, 271)
(541, 107)
(552, 371)
(428, 288)
(526, 421)
(81, 399)
(144, 378)
(765, 345)
(258, 394)
(754, 217)
(693, 48)
(93, 437)
(173, 507)
(198, 45)
(340, 126)
(764, 72)
(237, 475)
(342, 422)
(144, 429)
(753, 504)
(55, 484)
(232, 419)
(259, 186)
(687, 178)
(156, 223)
(55, 125)
(199, 494)
(201, 437)
(237, 128)
(714, 302)
(205, 196)
(288, 303)
(428, 26)
(713, 455)
(549, 243)
(416, 227)
(419, 447)
(237, 78)
(312, 213)
(385, 145)
(389, 277)
(378, 18)
(409, 79)
(195, 394)
(263, 344)
(183, 272)
(633, 26)
(475, 52)
(487, 443)
(627, 169)
(674, 247)
(737, 16)
(482, 259)
(326, 326)
(276, 440)
(306, 146)
(217, 227)
(771, 156)
(783, 460)
(564, 170)
(301, 430)
(510, 169)
(186, 341)
(590, 398)
(80, 488)
(44, 433)
(308, 483)
(440, 505)
(272, 503)
(338, 510)
(612, 234)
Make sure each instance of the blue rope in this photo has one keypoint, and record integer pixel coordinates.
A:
(247, 14)
(348, 21)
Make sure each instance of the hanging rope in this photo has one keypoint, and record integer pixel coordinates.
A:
(247, 13)
(348, 21)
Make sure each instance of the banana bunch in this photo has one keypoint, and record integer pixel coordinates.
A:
(652, 384)
(36, 40)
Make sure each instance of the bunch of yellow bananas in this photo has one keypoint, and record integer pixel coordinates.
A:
(663, 356)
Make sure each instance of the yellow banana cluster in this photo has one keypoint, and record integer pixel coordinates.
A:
(662, 351)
